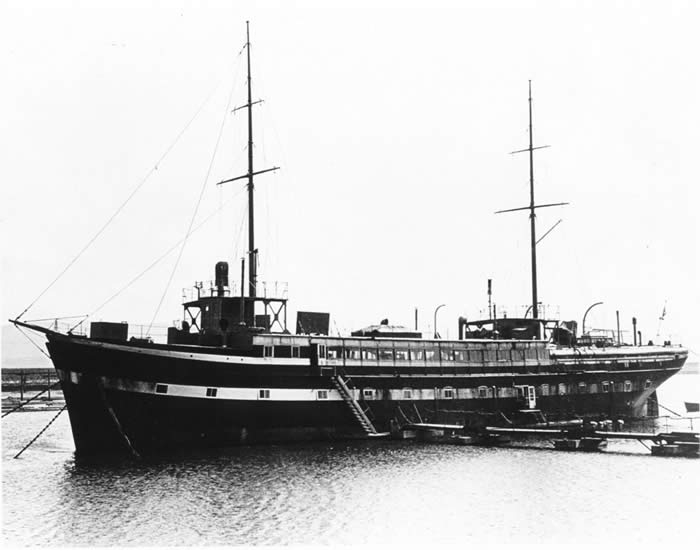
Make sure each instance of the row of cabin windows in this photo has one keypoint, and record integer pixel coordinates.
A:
(388, 354)
(464, 356)
(481, 392)
(295, 351)
(606, 386)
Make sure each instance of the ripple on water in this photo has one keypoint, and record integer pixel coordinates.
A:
(341, 493)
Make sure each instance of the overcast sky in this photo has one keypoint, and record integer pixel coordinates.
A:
(392, 123)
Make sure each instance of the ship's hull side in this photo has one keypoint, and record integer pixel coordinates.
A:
(122, 399)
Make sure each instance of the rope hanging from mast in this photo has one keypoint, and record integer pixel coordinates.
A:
(196, 210)
(121, 207)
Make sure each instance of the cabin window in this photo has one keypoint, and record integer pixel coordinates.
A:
(476, 356)
(322, 394)
(430, 355)
(386, 354)
(448, 393)
(461, 355)
(628, 385)
(321, 351)
(369, 354)
(335, 353)
(606, 386)
(401, 354)
(647, 384)
(417, 355)
(594, 388)
(161, 388)
(483, 392)
(503, 355)
(268, 351)
(296, 351)
(490, 355)
(368, 393)
(352, 353)
(582, 387)
(447, 355)
(408, 393)
(264, 394)
(211, 392)
(544, 389)
(562, 389)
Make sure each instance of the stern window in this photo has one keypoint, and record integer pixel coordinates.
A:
(161, 388)
(264, 394)
(322, 394)
(211, 392)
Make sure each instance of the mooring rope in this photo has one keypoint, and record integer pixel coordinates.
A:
(41, 432)
(30, 400)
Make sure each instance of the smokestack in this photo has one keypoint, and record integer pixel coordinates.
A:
(617, 314)
(221, 276)
(634, 329)
(489, 293)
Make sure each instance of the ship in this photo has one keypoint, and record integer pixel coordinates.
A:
(232, 372)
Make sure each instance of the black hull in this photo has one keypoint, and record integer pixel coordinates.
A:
(115, 405)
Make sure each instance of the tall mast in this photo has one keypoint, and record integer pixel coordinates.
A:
(532, 207)
(252, 260)
(533, 241)
(252, 251)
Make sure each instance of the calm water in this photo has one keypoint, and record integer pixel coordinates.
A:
(348, 493)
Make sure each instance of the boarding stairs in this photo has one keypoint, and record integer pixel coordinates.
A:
(354, 406)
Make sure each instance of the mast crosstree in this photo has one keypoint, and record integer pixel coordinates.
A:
(252, 251)
(532, 207)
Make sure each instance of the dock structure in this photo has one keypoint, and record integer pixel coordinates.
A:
(581, 438)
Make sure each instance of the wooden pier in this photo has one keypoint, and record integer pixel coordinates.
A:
(584, 439)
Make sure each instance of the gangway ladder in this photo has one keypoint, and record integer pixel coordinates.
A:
(354, 406)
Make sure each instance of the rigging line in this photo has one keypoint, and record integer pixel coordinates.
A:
(123, 204)
(23, 403)
(41, 432)
(163, 256)
(196, 208)
(33, 342)
(240, 230)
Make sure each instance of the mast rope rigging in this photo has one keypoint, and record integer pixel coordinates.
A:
(148, 175)
(161, 258)
(240, 231)
(33, 342)
(196, 208)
